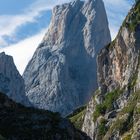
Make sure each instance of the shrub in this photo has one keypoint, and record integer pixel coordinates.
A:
(107, 104)
(99, 110)
(127, 137)
(102, 129)
(77, 118)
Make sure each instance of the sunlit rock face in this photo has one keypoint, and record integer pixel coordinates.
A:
(113, 113)
(62, 72)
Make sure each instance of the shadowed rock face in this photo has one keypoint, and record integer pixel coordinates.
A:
(21, 123)
(11, 82)
(62, 73)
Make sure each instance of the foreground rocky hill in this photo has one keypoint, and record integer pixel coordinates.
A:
(62, 72)
(114, 111)
(21, 123)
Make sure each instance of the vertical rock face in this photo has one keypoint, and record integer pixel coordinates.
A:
(11, 82)
(62, 73)
(88, 125)
(115, 114)
(118, 63)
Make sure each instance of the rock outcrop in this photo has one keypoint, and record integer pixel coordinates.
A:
(116, 111)
(21, 123)
(11, 82)
(62, 73)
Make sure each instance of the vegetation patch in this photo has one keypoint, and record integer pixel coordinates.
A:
(133, 18)
(133, 81)
(102, 129)
(110, 45)
(127, 137)
(107, 104)
(137, 110)
(77, 117)
(2, 138)
(123, 124)
(99, 110)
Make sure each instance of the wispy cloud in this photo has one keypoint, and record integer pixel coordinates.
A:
(23, 51)
(9, 24)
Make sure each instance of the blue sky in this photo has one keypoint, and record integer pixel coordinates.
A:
(23, 24)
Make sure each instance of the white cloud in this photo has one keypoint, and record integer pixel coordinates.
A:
(23, 51)
(13, 22)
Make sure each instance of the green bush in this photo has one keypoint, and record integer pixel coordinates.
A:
(100, 110)
(102, 129)
(77, 117)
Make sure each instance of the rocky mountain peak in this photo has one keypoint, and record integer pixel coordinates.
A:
(62, 72)
(11, 82)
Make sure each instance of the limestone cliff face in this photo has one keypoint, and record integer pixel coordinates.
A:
(116, 111)
(11, 82)
(88, 125)
(62, 73)
(118, 62)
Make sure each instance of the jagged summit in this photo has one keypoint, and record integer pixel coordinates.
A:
(62, 72)
(11, 82)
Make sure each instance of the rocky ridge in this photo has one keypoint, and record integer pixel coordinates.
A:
(113, 113)
(23, 123)
(11, 82)
(62, 72)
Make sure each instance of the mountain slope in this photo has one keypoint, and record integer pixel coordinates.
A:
(62, 73)
(21, 123)
(113, 113)
(11, 82)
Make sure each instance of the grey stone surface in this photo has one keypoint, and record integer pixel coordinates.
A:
(62, 73)
(118, 62)
(89, 126)
(11, 82)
